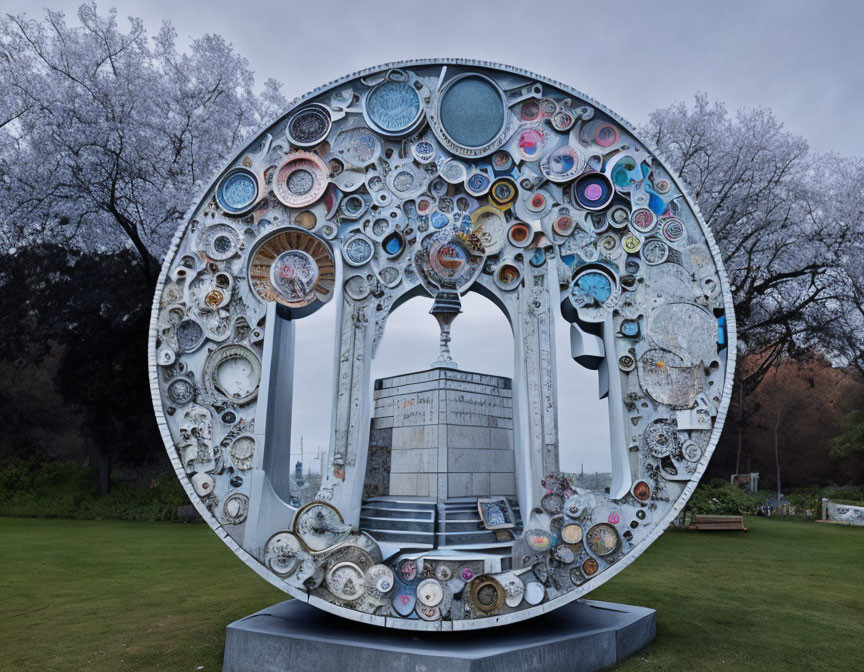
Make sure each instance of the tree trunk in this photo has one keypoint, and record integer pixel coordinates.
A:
(149, 264)
(104, 471)
(777, 455)
(740, 426)
(104, 454)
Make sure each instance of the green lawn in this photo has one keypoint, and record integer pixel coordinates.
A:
(108, 595)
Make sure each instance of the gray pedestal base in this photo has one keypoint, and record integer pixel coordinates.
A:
(582, 636)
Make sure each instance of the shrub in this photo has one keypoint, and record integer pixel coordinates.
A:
(35, 489)
(850, 495)
(721, 498)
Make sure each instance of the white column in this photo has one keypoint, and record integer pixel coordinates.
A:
(622, 472)
(275, 398)
(345, 469)
(535, 383)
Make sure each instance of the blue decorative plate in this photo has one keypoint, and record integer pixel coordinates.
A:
(393, 107)
(238, 191)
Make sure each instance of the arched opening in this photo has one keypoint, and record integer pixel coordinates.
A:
(436, 431)
(441, 438)
(482, 339)
(583, 418)
(312, 400)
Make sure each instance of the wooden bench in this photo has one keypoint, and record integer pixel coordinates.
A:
(717, 523)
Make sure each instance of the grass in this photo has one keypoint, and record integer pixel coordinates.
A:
(788, 595)
(114, 595)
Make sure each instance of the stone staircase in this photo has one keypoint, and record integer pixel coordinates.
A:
(400, 520)
(424, 524)
(459, 525)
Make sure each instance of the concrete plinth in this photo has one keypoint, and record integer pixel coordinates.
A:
(580, 637)
(441, 433)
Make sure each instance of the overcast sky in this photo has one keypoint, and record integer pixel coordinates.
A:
(801, 58)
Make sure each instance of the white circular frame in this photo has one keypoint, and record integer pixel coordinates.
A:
(478, 623)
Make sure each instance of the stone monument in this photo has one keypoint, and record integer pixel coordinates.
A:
(435, 178)
(449, 434)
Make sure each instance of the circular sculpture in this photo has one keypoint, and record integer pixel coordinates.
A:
(436, 178)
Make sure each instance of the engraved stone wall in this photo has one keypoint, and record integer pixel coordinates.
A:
(450, 435)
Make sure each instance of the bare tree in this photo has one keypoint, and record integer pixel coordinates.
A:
(781, 216)
(105, 136)
(105, 133)
(845, 328)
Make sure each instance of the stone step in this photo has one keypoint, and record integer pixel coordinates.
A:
(460, 525)
(390, 524)
(497, 547)
(395, 503)
(464, 505)
(471, 543)
(460, 515)
(409, 539)
(423, 524)
(381, 512)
